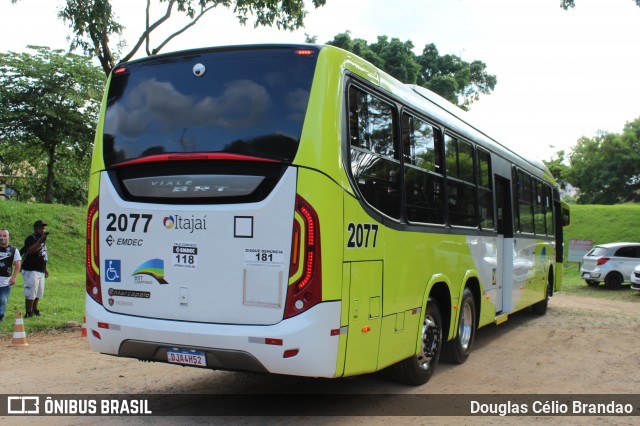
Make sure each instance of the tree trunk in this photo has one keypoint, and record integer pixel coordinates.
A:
(48, 196)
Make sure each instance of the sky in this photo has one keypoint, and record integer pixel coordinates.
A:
(561, 74)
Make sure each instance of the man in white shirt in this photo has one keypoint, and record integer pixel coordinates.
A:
(9, 267)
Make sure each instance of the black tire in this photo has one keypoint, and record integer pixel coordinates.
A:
(613, 280)
(418, 369)
(457, 350)
(540, 308)
(592, 283)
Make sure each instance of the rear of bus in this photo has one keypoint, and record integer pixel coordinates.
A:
(201, 250)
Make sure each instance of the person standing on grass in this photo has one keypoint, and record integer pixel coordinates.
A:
(9, 268)
(34, 267)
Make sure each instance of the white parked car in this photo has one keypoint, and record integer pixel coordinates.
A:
(635, 278)
(610, 263)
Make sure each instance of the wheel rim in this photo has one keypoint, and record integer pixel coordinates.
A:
(430, 343)
(465, 327)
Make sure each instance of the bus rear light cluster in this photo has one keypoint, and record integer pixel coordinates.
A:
(92, 253)
(306, 291)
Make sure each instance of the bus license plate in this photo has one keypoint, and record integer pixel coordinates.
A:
(196, 358)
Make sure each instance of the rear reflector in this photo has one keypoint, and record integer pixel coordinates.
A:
(266, 341)
(108, 326)
(339, 331)
(289, 353)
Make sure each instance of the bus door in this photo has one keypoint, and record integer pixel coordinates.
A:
(365, 316)
(504, 271)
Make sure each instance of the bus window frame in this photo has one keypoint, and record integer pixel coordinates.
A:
(457, 180)
(349, 82)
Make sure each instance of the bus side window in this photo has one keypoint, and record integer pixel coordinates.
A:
(539, 216)
(485, 191)
(524, 198)
(424, 183)
(461, 186)
(548, 206)
(375, 162)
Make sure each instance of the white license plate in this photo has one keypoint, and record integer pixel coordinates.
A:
(176, 356)
(586, 275)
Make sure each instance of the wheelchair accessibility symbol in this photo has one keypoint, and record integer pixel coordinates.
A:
(112, 271)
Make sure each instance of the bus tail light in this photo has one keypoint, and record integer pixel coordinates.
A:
(306, 289)
(92, 253)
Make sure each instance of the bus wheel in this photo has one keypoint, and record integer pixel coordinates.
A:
(540, 308)
(457, 350)
(418, 369)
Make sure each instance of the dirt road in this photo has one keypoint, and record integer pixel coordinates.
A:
(581, 346)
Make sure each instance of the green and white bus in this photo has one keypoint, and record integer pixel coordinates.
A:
(292, 209)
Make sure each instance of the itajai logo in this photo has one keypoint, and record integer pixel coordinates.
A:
(185, 223)
(168, 222)
(153, 268)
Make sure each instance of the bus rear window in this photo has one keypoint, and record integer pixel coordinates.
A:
(249, 102)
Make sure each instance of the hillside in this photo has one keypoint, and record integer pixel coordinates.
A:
(604, 224)
(66, 226)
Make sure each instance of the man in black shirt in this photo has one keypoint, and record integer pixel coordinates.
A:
(34, 267)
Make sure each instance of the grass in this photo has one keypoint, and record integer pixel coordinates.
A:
(604, 224)
(63, 301)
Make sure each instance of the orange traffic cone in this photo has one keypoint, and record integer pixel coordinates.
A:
(19, 336)
(83, 332)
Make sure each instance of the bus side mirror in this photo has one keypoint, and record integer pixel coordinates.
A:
(566, 216)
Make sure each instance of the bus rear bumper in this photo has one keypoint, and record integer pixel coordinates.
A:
(314, 334)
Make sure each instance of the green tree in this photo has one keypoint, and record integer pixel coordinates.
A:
(456, 80)
(398, 58)
(94, 23)
(606, 168)
(559, 168)
(570, 4)
(49, 104)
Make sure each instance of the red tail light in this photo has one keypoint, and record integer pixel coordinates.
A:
(92, 253)
(602, 260)
(306, 290)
